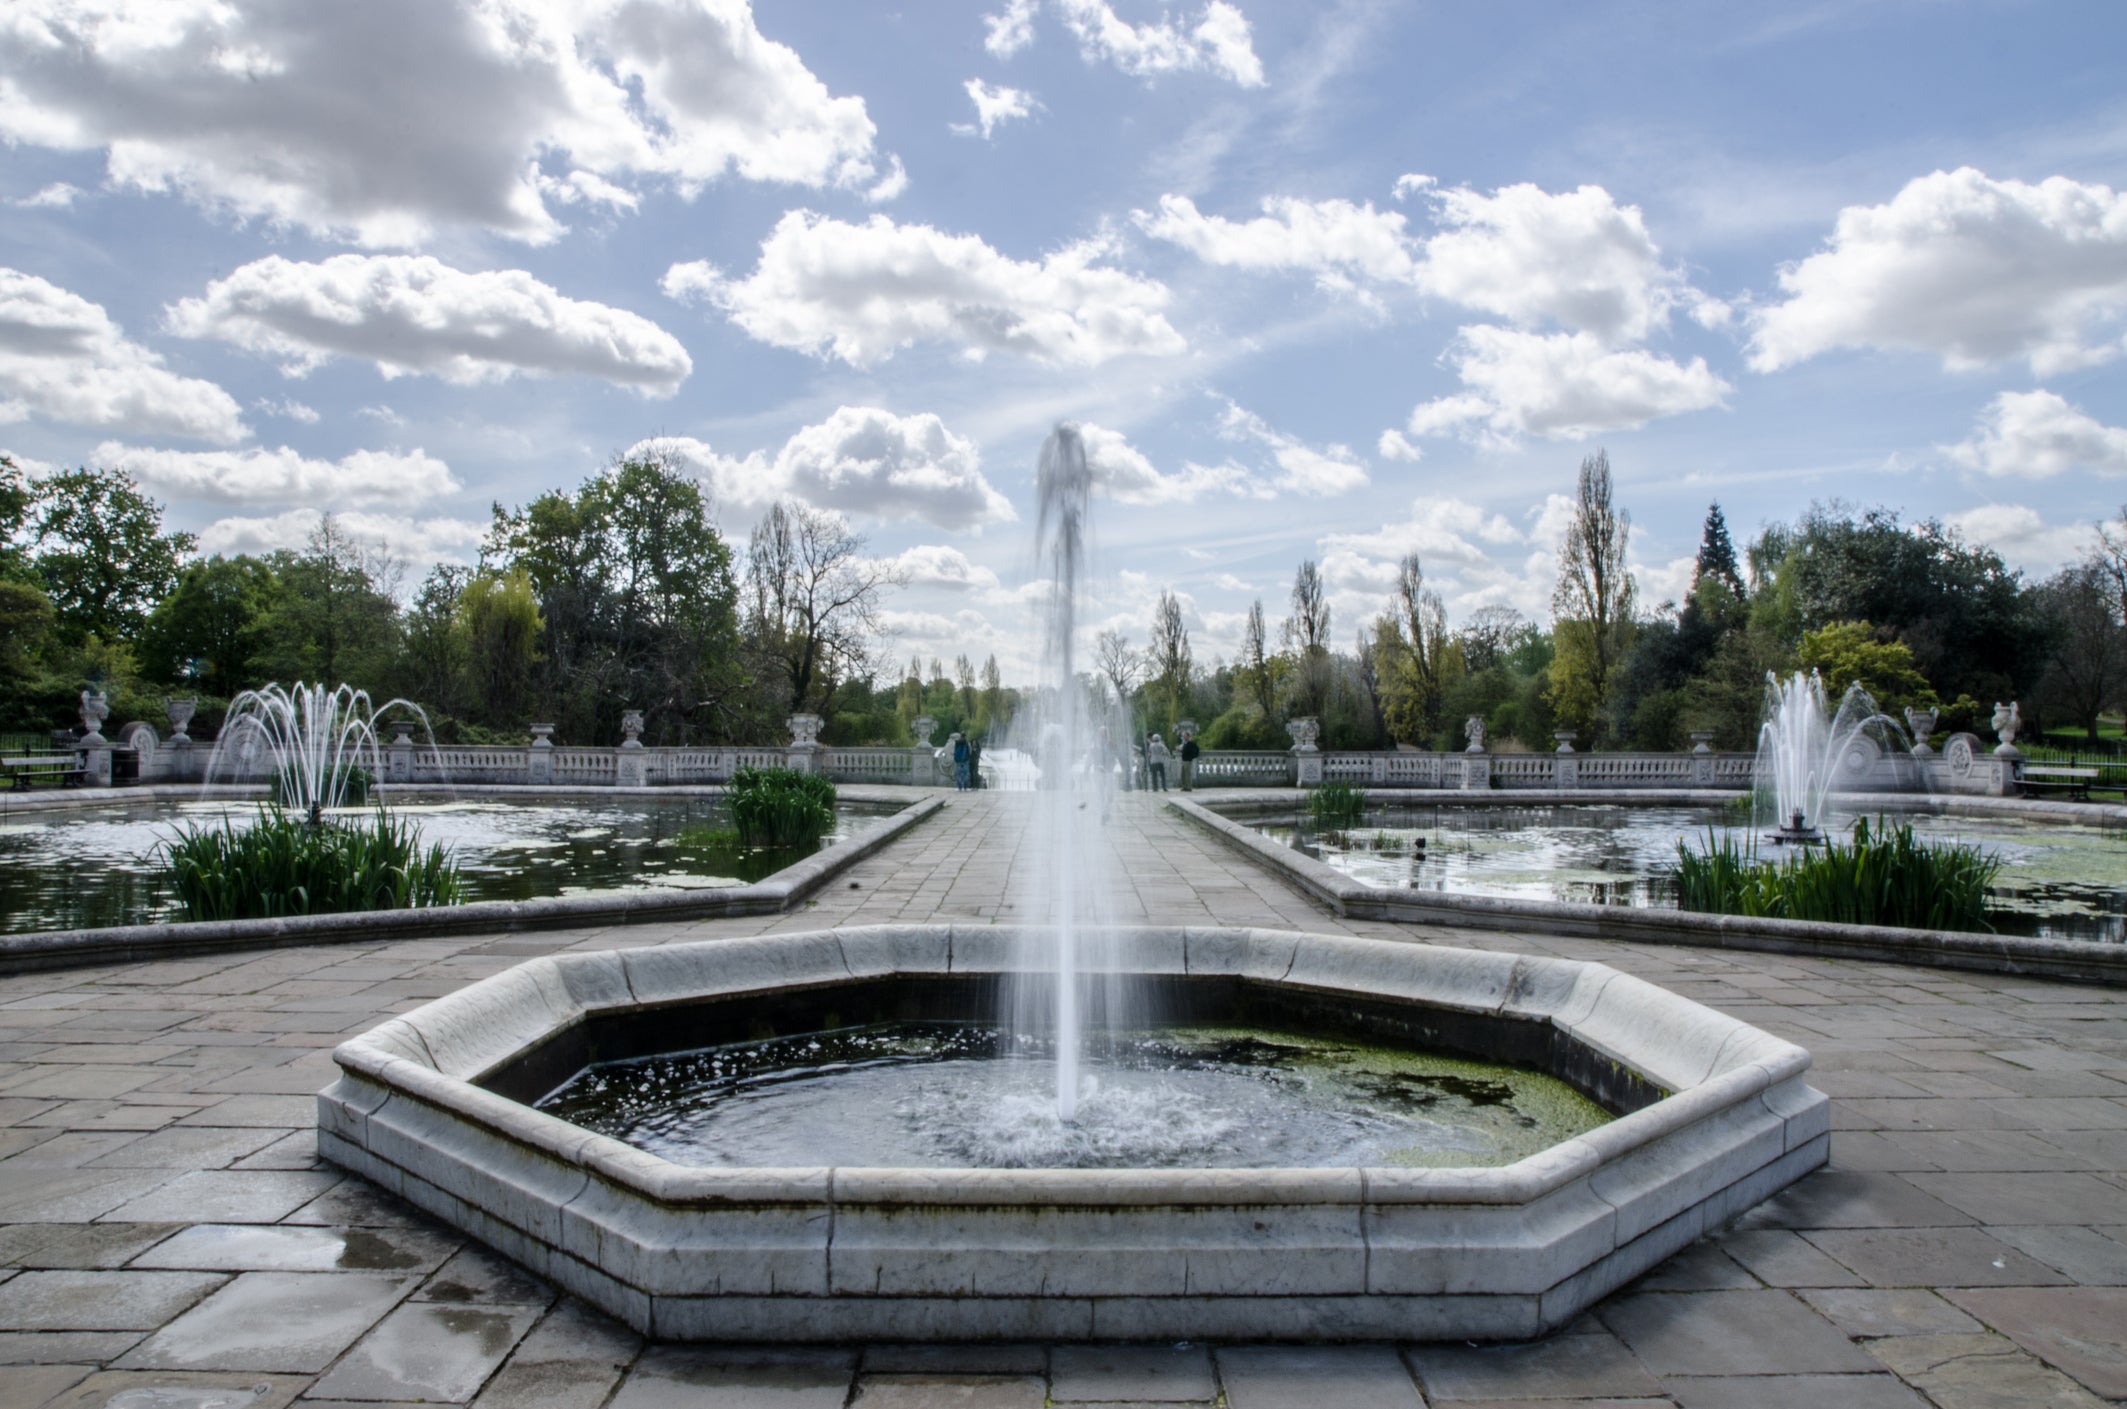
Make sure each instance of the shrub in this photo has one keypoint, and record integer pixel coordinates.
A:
(1336, 805)
(781, 806)
(283, 865)
(1881, 877)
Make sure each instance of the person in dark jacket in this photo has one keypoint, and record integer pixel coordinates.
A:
(1189, 753)
(960, 762)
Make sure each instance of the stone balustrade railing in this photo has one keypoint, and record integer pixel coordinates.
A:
(1959, 768)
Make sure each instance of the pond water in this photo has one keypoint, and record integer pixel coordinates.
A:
(951, 1095)
(2058, 880)
(98, 867)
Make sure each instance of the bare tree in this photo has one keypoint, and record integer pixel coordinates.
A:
(1307, 635)
(1422, 624)
(1120, 666)
(1255, 660)
(2086, 667)
(814, 600)
(1169, 651)
(1489, 634)
(1592, 606)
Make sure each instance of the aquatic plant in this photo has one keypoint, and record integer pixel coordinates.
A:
(1882, 876)
(1336, 805)
(781, 806)
(283, 864)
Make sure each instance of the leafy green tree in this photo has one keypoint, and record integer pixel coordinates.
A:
(100, 549)
(433, 653)
(2086, 667)
(1846, 653)
(1170, 664)
(1416, 658)
(333, 619)
(499, 621)
(208, 631)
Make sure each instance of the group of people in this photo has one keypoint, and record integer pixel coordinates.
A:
(967, 762)
(1157, 756)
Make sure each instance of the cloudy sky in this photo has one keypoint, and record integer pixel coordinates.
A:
(1328, 280)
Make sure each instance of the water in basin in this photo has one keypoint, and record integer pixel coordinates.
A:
(957, 1095)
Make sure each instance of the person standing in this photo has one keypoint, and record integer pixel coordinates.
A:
(960, 762)
(1156, 758)
(1189, 753)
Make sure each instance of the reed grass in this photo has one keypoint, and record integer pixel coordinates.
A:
(1336, 805)
(1881, 876)
(781, 806)
(282, 864)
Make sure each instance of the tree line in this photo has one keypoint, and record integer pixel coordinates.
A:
(1914, 613)
(621, 594)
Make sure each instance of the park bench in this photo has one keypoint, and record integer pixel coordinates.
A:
(27, 770)
(2076, 781)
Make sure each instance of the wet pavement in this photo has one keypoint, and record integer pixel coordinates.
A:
(168, 1239)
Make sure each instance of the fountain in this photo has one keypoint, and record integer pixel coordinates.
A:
(1807, 753)
(315, 739)
(1325, 1138)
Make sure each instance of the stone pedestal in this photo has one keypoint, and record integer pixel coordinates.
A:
(632, 768)
(95, 760)
(923, 756)
(805, 754)
(539, 756)
(1306, 752)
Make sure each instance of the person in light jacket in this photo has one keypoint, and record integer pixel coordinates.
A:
(1156, 758)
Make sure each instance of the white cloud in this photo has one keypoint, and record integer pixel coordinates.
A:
(57, 196)
(1227, 582)
(1971, 269)
(1393, 446)
(1561, 386)
(1666, 582)
(2023, 537)
(1335, 240)
(1123, 473)
(1333, 469)
(1219, 42)
(260, 476)
(63, 359)
(412, 314)
(287, 408)
(1010, 29)
(861, 292)
(1471, 555)
(2038, 434)
(860, 461)
(414, 541)
(994, 107)
(1450, 530)
(1576, 258)
(937, 565)
(386, 120)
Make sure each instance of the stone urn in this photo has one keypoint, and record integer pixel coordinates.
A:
(1473, 730)
(1702, 740)
(805, 730)
(2007, 720)
(1922, 723)
(1306, 732)
(180, 715)
(923, 726)
(95, 708)
(631, 728)
(1565, 737)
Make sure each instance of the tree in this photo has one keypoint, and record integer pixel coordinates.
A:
(1120, 666)
(332, 618)
(1307, 636)
(1717, 555)
(1169, 652)
(1592, 605)
(1255, 661)
(101, 553)
(1847, 653)
(499, 621)
(813, 602)
(209, 631)
(2086, 668)
(1489, 634)
(1416, 680)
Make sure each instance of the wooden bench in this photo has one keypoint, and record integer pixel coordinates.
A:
(27, 770)
(2076, 781)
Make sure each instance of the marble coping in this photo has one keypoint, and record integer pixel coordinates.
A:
(1724, 1118)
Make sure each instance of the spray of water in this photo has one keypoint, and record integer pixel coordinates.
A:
(1808, 753)
(1064, 885)
(312, 737)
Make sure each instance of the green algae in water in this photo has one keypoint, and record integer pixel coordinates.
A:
(935, 1094)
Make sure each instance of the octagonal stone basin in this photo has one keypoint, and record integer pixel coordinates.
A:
(1714, 1117)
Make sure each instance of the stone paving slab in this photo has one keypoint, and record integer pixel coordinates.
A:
(1980, 1120)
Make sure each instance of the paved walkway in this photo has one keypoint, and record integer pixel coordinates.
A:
(164, 1221)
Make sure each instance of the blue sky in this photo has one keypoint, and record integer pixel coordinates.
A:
(1336, 281)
